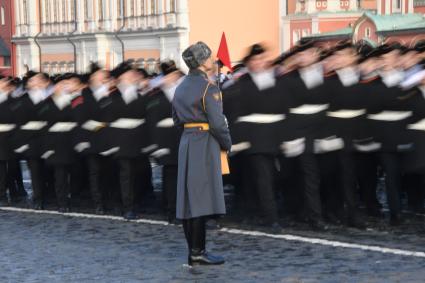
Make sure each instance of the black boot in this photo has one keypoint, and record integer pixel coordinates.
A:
(198, 254)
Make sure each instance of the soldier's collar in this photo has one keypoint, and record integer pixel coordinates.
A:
(198, 72)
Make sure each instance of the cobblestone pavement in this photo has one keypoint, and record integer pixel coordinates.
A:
(59, 248)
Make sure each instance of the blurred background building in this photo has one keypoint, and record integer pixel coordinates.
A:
(65, 35)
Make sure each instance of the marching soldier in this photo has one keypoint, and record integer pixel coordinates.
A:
(259, 116)
(127, 131)
(7, 127)
(197, 108)
(58, 150)
(163, 136)
(29, 138)
(304, 121)
(87, 110)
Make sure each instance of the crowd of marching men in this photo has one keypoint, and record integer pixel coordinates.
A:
(313, 132)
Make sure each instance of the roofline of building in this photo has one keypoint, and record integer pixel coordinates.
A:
(401, 31)
(324, 15)
(327, 37)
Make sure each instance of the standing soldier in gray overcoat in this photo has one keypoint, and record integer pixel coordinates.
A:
(197, 108)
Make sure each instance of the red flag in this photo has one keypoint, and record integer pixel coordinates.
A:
(223, 52)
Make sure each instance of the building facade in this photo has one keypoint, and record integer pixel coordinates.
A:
(393, 21)
(6, 31)
(66, 35)
(318, 16)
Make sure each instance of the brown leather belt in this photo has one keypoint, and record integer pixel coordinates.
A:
(200, 126)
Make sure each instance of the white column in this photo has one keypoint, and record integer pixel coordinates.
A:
(160, 10)
(182, 10)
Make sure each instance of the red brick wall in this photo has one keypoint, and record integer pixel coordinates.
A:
(6, 32)
(333, 24)
(420, 9)
(299, 25)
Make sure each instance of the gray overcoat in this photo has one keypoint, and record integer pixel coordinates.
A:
(199, 183)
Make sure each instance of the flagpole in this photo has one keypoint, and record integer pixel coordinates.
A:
(220, 65)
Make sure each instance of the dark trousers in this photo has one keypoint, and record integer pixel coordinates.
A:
(390, 163)
(62, 184)
(94, 168)
(3, 180)
(15, 178)
(262, 173)
(37, 170)
(349, 182)
(169, 183)
(330, 185)
(367, 176)
(414, 187)
(309, 172)
(127, 182)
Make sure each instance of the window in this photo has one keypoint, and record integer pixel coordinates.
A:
(56, 11)
(25, 11)
(120, 9)
(72, 10)
(367, 33)
(64, 11)
(153, 7)
(100, 12)
(6, 60)
(296, 36)
(46, 11)
(87, 14)
(142, 7)
(132, 8)
(396, 4)
(2, 16)
(172, 6)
